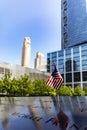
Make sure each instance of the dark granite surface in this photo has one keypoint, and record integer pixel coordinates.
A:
(36, 113)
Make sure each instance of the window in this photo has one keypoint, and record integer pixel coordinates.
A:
(76, 50)
(84, 74)
(84, 67)
(84, 53)
(68, 51)
(60, 53)
(84, 47)
(60, 61)
(76, 76)
(68, 66)
(69, 77)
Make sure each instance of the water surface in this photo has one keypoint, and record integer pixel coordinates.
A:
(36, 113)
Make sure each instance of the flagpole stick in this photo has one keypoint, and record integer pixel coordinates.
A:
(55, 81)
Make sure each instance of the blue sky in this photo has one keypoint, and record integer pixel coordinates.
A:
(38, 19)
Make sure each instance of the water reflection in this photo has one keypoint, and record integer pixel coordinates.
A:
(5, 123)
(36, 113)
(46, 105)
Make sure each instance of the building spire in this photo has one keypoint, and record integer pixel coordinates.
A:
(26, 52)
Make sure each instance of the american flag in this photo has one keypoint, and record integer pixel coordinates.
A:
(55, 80)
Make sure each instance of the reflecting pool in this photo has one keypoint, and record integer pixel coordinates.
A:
(36, 113)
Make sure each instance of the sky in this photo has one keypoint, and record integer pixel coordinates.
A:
(38, 19)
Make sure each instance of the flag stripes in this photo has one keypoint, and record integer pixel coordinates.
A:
(55, 80)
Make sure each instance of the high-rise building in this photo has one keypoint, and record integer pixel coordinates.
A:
(40, 62)
(26, 52)
(73, 22)
(71, 61)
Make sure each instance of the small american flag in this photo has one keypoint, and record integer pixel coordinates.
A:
(55, 80)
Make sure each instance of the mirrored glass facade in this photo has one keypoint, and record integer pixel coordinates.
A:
(73, 22)
(71, 63)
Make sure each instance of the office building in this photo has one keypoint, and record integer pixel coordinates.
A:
(40, 62)
(71, 61)
(26, 52)
(73, 23)
(72, 64)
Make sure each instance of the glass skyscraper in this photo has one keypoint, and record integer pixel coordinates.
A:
(74, 22)
(71, 61)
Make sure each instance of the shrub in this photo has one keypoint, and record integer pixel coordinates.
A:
(78, 91)
(85, 91)
(65, 91)
(23, 86)
(41, 89)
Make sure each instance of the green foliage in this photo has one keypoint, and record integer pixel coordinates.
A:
(24, 86)
(40, 88)
(78, 91)
(2, 89)
(6, 83)
(85, 91)
(65, 91)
